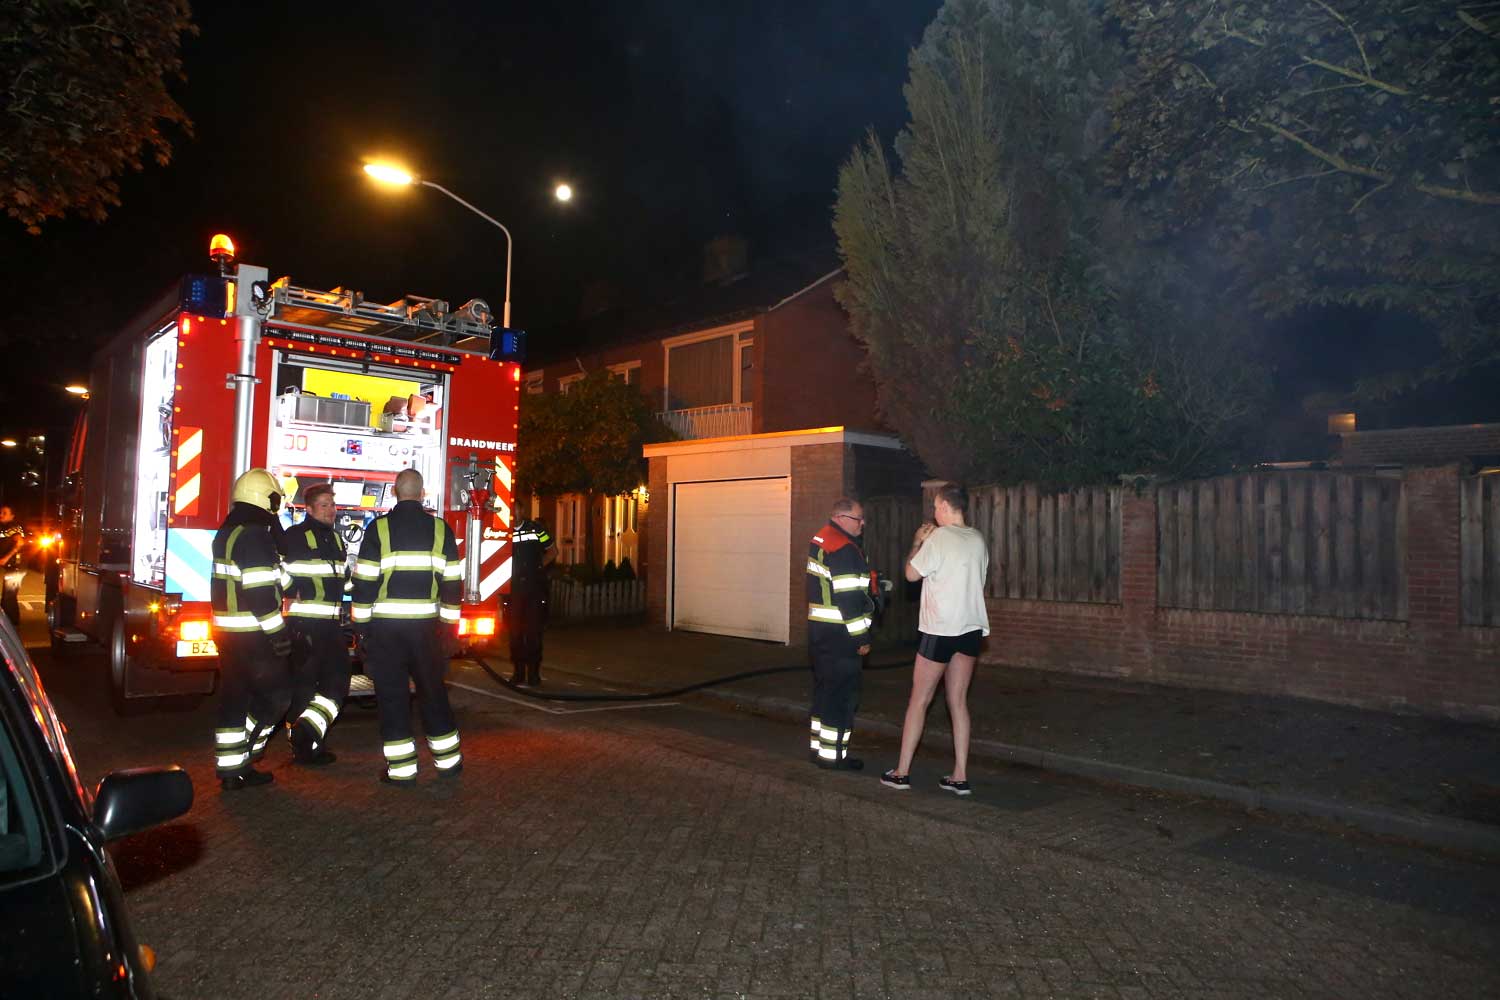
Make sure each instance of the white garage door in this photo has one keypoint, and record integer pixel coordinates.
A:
(731, 560)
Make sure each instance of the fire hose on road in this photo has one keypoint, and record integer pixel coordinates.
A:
(658, 695)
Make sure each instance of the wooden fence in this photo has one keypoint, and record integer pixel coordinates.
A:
(570, 599)
(1479, 537)
(1302, 543)
(890, 523)
(1050, 547)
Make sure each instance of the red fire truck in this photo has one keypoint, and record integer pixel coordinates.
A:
(233, 371)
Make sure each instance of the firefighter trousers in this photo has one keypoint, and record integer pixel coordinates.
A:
(320, 679)
(254, 690)
(397, 652)
(525, 614)
(835, 698)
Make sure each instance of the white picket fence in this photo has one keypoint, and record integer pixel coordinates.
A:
(617, 597)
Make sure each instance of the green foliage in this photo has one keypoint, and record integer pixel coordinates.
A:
(86, 86)
(587, 441)
(1323, 151)
(1013, 328)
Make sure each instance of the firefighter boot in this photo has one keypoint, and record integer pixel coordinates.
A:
(305, 750)
(248, 778)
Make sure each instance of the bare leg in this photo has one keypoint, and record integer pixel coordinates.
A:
(960, 672)
(924, 682)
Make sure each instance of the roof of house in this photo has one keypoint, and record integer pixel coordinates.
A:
(765, 285)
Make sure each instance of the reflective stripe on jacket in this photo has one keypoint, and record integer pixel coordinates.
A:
(246, 585)
(408, 568)
(840, 594)
(315, 566)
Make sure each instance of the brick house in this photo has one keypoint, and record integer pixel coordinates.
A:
(757, 373)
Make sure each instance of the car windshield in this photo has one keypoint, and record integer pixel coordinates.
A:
(24, 671)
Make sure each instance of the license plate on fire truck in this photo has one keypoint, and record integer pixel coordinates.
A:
(196, 647)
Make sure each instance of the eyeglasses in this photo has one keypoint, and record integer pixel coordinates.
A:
(852, 517)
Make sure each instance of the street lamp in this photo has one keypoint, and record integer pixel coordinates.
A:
(387, 174)
(564, 192)
(76, 390)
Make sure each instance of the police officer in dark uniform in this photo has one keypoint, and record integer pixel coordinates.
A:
(532, 551)
(316, 565)
(840, 611)
(408, 582)
(251, 634)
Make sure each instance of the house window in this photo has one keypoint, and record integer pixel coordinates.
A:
(534, 383)
(628, 372)
(566, 382)
(706, 369)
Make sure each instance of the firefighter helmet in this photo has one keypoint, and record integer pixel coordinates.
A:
(258, 488)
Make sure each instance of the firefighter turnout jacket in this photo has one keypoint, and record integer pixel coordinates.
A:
(246, 587)
(316, 571)
(408, 569)
(840, 591)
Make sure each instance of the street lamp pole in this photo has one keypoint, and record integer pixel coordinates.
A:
(505, 317)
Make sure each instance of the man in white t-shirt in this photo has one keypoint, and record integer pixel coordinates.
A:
(951, 559)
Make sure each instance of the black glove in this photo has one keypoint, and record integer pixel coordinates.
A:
(281, 644)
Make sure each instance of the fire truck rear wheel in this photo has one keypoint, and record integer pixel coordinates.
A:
(119, 669)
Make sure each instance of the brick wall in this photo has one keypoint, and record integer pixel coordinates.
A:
(648, 379)
(1419, 445)
(809, 368)
(654, 544)
(1428, 664)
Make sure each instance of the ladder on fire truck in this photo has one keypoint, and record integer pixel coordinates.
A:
(414, 318)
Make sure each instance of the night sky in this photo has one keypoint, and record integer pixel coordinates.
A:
(674, 121)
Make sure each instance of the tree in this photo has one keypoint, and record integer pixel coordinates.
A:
(586, 441)
(86, 99)
(1324, 151)
(1013, 332)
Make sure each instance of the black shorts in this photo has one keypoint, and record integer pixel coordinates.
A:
(942, 648)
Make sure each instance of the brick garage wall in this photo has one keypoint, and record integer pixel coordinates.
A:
(1428, 664)
(654, 544)
(1419, 445)
(809, 368)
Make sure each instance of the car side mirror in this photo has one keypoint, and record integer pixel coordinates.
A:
(137, 799)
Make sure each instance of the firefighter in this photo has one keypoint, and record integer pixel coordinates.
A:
(407, 585)
(316, 564)
(251, 634)
(532, 552)
(840, 609)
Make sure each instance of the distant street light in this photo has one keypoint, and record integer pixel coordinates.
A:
(387, 174)
(8, 442)
(77, 390)
(564, 192)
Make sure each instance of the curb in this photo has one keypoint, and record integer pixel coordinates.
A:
(1430, 831)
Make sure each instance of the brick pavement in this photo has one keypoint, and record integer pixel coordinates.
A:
(684, 853)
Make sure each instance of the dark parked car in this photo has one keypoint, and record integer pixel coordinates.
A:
(63, 926)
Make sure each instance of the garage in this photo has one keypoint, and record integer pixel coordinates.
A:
(731, 557)
(726, 540)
